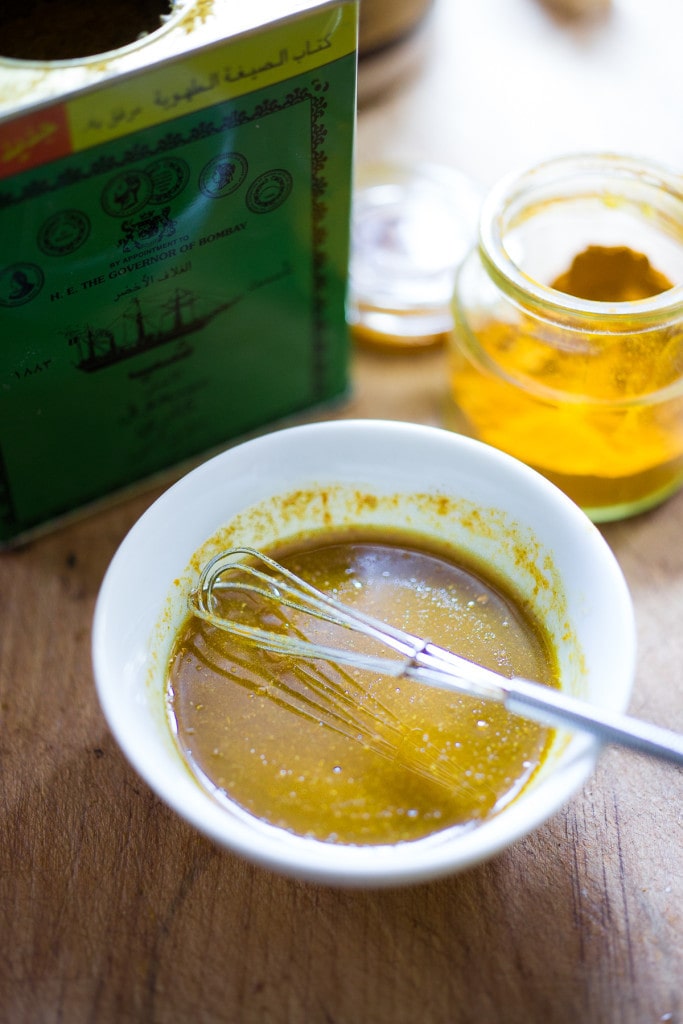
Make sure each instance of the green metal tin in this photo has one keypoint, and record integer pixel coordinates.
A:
(169, 289)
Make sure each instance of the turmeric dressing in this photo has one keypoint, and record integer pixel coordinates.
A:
(580, 405)
(344, 756)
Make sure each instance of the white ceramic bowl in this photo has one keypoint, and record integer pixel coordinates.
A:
(437, 482)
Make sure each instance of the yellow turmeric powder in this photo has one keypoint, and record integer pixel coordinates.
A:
(611, 274)
(581, 406)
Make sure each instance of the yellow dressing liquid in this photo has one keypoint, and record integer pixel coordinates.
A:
(346, 756)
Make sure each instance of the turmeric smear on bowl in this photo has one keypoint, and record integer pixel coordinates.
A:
(345, 756)
(582, 406)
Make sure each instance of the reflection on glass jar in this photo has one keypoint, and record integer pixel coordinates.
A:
(567, 346)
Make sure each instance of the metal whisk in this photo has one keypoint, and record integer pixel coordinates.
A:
(243, 570)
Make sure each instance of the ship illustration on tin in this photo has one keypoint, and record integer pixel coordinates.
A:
(141, 331)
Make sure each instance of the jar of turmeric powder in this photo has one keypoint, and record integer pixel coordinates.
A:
(567, 345)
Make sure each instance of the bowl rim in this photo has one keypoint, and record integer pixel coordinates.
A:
(313, 860)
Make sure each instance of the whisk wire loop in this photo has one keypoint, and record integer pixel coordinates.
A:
(419, 659)
(295, 593)
(414, 658)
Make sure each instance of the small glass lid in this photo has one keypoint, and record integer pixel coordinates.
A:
(412, 226)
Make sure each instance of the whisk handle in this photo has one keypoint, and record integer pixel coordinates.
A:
(554, 707)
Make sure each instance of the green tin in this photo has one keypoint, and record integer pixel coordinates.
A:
(173, 258)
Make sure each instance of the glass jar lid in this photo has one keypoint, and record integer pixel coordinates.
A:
(412, 227)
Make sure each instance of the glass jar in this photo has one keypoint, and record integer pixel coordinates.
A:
(412, 226)
(567, 344)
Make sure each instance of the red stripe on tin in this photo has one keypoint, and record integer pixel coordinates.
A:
(34, 139)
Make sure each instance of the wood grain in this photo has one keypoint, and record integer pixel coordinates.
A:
(113, 910)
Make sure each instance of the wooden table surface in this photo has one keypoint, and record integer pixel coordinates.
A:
(113, 910)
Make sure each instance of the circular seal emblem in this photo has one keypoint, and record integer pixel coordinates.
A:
(269, 190)
(126, 193)
(223, 175)
(64, 232)
(169, 176)
(19, 283)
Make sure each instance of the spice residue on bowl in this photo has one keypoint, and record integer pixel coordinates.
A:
(345, 757)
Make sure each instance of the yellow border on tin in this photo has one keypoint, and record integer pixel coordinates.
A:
(224, 72)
